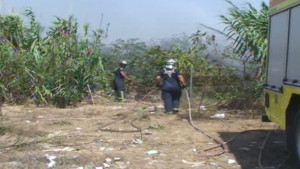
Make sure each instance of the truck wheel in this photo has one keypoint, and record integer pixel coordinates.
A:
(297, 138)
(293, 138)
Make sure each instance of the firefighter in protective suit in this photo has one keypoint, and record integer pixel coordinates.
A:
(119, 81)
(171, 82)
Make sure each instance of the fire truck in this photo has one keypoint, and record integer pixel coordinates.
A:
(282, 89)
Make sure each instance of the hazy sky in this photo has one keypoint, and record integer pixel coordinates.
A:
(144, 19)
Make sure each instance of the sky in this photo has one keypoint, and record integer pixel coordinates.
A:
(143, 19)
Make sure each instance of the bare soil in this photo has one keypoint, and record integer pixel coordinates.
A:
(72, 137)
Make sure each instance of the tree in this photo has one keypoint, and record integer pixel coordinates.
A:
(248, 27)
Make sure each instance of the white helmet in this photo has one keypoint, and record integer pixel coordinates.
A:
(123, 62)
(171, 62)
(169, 66)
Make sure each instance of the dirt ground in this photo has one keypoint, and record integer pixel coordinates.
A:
(48, 137)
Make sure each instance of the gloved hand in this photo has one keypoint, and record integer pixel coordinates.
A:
(183, 86)
(158, 85)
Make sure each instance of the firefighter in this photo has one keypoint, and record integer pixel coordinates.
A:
(119, 81)
(171, 82)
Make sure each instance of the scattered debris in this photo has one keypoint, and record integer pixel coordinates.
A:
(152, 109)
(214, 164)
(218, 116)
(160, 107)
(230, 161)
(107, 148)
(117, 158)
(108, 160)
(14, 163)
(147, 132)
(100, 142)
(78, 128)
(51, 160)
(152, 152)
(89, 166)
(137, 141)
(105, 165)
(68, 149)
(194, 164)
(117, 107)
(99, 167)
(57, 133)
(203, 108)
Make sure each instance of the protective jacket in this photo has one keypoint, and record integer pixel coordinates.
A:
(171, 82)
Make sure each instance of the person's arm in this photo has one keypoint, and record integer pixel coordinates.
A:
(181, 79)
(124, 75)
(159, 81)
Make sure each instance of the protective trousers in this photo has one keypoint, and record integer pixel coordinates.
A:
(120, 91)
(171, 100)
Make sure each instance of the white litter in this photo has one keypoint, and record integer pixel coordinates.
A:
(106, 165)
(68, 149)
(152, 152)
(160, 106)
(117, 107)
(54, 134)
(51, 160)
(117, 158)
(230, 161)
(218, 116)
(194, 164)
(108, 160)
(203, 108)
(214, 164)
(137, 141)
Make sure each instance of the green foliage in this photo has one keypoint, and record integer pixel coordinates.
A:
(58, 68)
(248, 27)
(61, 66)
(62, 123)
